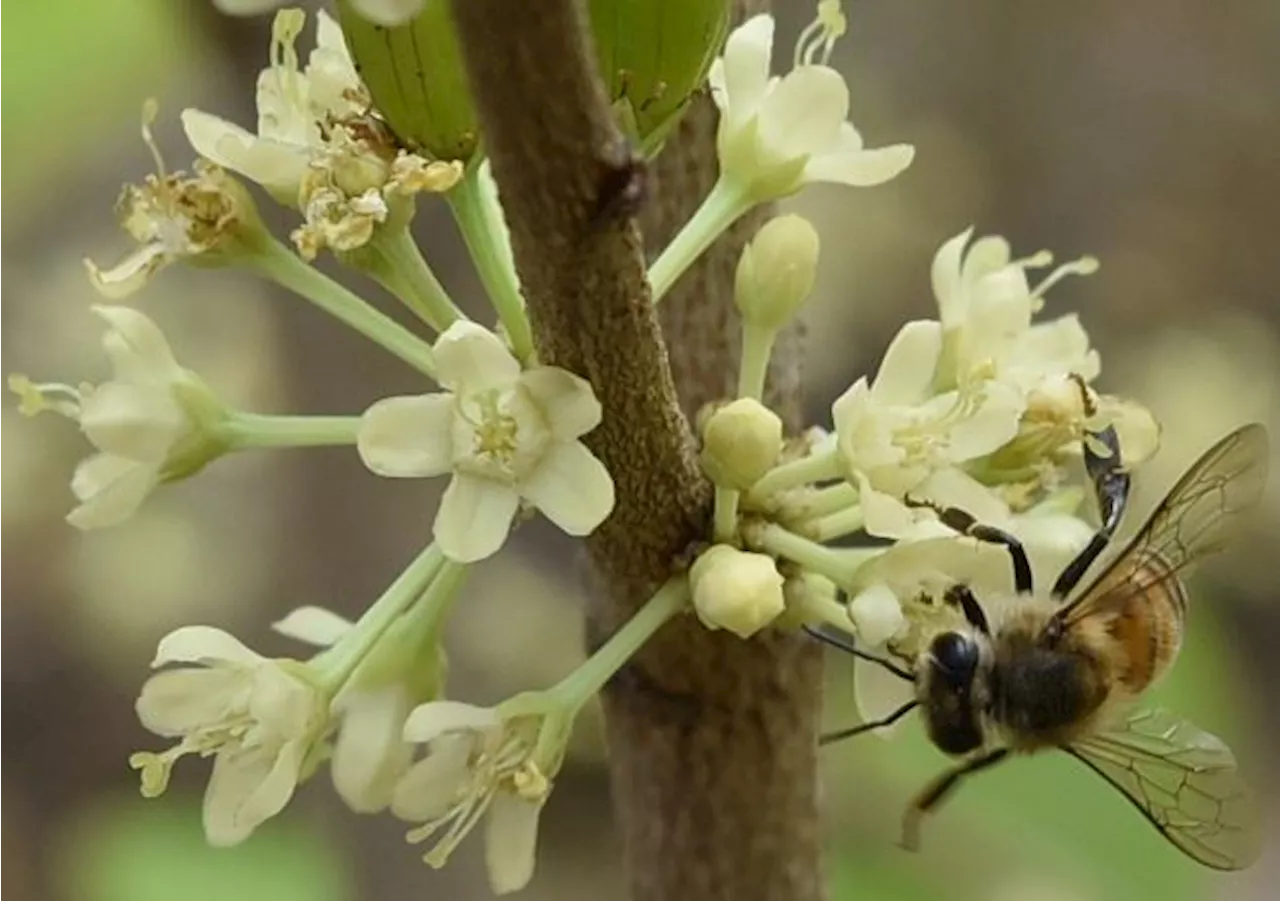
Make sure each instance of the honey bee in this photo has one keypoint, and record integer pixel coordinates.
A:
(1063, 671)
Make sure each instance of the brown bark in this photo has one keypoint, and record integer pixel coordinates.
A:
(711, 738)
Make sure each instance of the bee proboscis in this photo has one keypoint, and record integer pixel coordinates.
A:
(1063, 671)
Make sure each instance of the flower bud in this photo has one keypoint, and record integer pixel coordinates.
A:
(776, 271)
(653, 55)
(876, 614)
(415, 76)
(740, 442)
(736, 590)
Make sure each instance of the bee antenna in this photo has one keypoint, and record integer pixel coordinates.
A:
(889, 720)
(848, 647)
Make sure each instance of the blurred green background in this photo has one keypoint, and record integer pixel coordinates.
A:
(1144, 132)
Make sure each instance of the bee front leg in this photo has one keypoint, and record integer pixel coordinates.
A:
(965, 524)
(937, 790)
(1105, 468)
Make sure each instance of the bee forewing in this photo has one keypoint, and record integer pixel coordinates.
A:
(1184, 781)
(1192, 522)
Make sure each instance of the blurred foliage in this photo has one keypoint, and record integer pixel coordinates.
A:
(122, 848)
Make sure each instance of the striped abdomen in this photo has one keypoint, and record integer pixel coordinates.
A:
(1145, 609)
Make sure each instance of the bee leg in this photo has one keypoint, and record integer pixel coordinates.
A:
(841, 734)
(937, 790)
(961, 596)
(1105, 468)
(849, 647)
(965, 524)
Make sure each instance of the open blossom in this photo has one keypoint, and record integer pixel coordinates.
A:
(479, 762)
(152, 421)
(380, 12)
(504, 434)
(260, 719)
(778, 134)
(986, 306)
(203, 218)
(318, 148)
(404, 670)
(893, 433)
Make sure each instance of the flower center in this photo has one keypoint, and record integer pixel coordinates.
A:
(503, 436)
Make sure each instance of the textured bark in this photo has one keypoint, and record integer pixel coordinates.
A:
(711, 738)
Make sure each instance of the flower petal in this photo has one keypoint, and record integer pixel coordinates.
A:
(862, 168)
(801, 116)
(109, 489)
(991, 426)
(948, 290)
(136, 346)
(571, 488)
(743, 71)
(313, 625)
(130, 274)
(906, 372)
(511, 841)
(471, 358)
(370, 753)
(278, 166)
(407, 437)
(876, 614)
(474, 517)
(429, 721)
(205, 645)
(177, 701)
(432, 785)
(567, 402)
(134, 421)
(246, 788)
(878, 693)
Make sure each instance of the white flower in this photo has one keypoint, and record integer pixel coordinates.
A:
(740, 441)
(876, 614)
(776, 271)
(778, 134)
(986, 306)
(261, 719)
(380, 12)
(317, 146)
(205, 218)
(503, 433)
(152, 421)
(480, 761)
(403, 670)
(893, 433)
(736, 590)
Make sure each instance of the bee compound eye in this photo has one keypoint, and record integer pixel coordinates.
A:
(955, 656)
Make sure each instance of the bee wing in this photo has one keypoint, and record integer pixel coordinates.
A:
(1185, 783)
(1193, 521)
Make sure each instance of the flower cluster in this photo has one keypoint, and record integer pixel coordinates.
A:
(984, 408)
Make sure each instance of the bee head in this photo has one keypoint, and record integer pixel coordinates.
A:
(949, 677)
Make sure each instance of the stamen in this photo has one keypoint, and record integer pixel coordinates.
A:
(1086, 265)
(820, 35)
(284, 55)
(150, 109)
(36, 398)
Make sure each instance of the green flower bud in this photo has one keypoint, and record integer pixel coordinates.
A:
(776, 271)
(740, 442)
(415, 76)
(653, 55)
